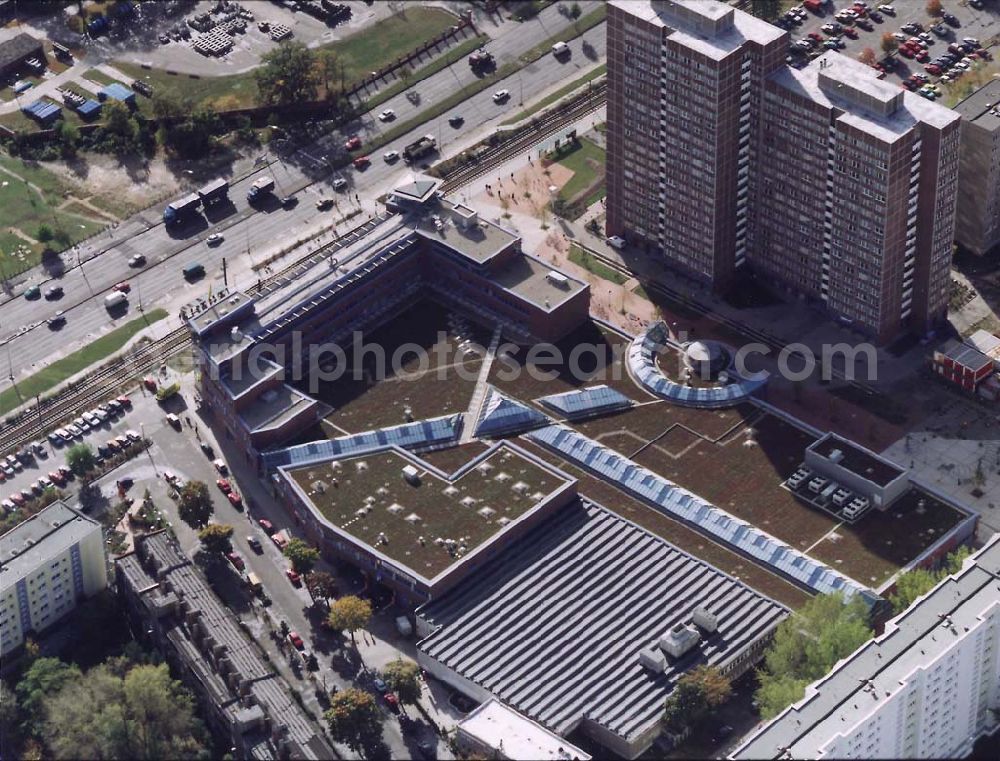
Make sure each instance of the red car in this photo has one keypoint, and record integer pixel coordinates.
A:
(353, 143)
(815, 36)
(923, 56)
(224, 485)
(905, 51)
(236, 560)
(123, 287)
(392, 700)
(361, 162)
(57, 478)
(851, 32)
(235, 499)
(266, 525)
(17, 499)
(932, 68)
(296, 640)
(293, 577)
(124, 401)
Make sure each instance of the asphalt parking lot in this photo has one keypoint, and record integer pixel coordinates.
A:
(982, 24)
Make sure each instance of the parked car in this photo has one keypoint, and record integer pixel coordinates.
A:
(236, 560)
(224, 486)
(293, 577)
(352, 143)
(235, 500)
(122, 287)
(361, 162)
(296, 640)
(266, 525)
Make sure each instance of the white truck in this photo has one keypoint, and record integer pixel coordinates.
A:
(260, 187)
(114, 299)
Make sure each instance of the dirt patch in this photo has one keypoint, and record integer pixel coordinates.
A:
(117, 189)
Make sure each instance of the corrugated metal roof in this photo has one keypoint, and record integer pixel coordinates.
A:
(687, 506)
(554, 625)
(587, 401)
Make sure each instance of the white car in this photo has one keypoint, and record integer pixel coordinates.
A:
(616, 241)
(339, 184)
(899, 36)
(925, 37)
(214, 239)
(886, 8)
(137, 261)
(500, 96)
(390, 156)
(386, 116)
(971, 41)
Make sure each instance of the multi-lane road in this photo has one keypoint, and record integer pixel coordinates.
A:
(27, 343)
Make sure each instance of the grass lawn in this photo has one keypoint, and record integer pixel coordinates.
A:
(582, 259)
(69, 366)
(389, 39)
(96, 75)
(558, 95)
(26, 209)
(368, 50)
(587, 164)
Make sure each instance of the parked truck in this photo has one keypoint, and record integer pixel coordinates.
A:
(419, 148)
(481, 60)
(215, 192)
(260, 187)
(181, 208)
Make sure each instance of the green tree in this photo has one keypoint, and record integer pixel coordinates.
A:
(80, 459)
(919, 581)
(145, 715)
(303, 556)
(9, 719)
(45, 677)
(169, 104)
(765, 9)
(403, 678)
(69, 137)
(321, 585)
(696, 694)
(575, 11)
(120, 127)
(806, 645)
(331, 70)
(195, 504)
(44, 234)
(348, 614)
(194, 137)
(354, 718)
(215, 538)
(287, 74)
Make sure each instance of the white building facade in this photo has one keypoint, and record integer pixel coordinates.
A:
(928, 687)
(48, 564)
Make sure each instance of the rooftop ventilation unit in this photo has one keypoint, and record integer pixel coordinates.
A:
(679, 640)
(557, 279)
(653, 659)
(705, 619)
(411, 475)
(836, 456)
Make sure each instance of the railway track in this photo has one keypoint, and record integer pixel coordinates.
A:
(546, 126)
(125, 370)
(33, 422)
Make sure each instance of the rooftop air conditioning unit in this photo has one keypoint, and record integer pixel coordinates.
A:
(679, 640)
(557, 278)
(836, 455)
(705, 619)
(411, 475)
(653, 659)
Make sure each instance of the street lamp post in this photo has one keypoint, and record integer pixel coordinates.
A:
(142, 431)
